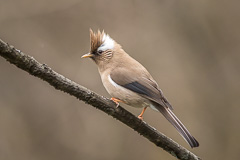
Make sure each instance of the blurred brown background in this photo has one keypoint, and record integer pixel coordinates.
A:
(190, 47)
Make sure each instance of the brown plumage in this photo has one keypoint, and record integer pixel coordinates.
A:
(127, 81)
(96, 40)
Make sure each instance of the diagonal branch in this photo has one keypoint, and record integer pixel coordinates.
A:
(58, 81)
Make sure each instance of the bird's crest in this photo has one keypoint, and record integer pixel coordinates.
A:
(100, 41)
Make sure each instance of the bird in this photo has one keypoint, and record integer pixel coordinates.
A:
(129, 82)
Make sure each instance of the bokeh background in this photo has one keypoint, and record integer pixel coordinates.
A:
(190, 47)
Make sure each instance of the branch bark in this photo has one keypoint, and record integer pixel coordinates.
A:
(59, 82)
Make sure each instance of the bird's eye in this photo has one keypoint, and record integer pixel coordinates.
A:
(100, 51)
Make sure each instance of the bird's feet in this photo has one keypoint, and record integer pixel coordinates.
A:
(140, 117)
(141, 114)
(115, 100)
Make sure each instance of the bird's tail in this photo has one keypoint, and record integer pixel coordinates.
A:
(172, 118)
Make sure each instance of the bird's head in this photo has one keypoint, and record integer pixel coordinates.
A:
(103, 48)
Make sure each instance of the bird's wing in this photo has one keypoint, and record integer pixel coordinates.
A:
(139, 82)
(143, 84)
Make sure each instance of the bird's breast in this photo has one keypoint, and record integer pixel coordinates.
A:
(129, 97)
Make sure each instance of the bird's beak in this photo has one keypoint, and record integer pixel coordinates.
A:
(88, 55)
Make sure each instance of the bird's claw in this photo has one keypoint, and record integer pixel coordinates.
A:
(115, 100)
(141, 114)
(140, 117)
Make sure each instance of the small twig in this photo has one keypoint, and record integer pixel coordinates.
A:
(33, 67)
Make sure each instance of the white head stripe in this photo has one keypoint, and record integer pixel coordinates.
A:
(108, 43)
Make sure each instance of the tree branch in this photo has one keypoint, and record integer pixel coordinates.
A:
(33, 67)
